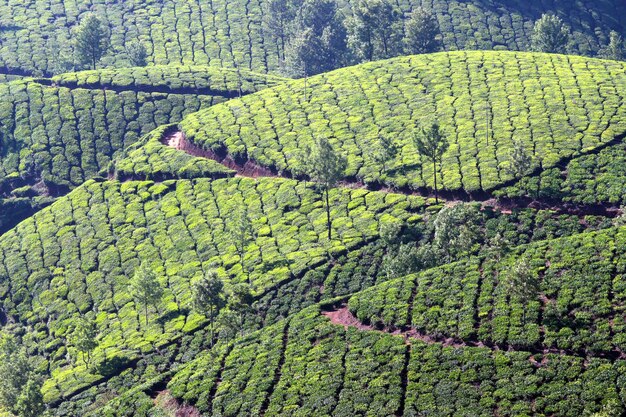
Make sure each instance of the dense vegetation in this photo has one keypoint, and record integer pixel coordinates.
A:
(83, 249)
(556, 106)
(37, 36)
(426, 217)
(357, 370)
(57, 133)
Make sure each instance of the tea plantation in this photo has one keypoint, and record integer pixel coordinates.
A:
(325, 208)
(57, 133)
(36, 35)
(77, 256)
(450, 341)
(556, 106)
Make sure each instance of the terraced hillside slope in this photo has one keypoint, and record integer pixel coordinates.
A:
(557, 107)
(76, 258)
(36, 34)
(57, 133)
(449, 341)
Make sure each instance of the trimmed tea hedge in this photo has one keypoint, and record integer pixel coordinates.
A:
(63, 131)
(78, 255)
(580, 307)
(557, 106)
(597, 178)
(308, 366)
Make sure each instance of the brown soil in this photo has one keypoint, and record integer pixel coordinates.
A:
(249, 168)
(342, 316)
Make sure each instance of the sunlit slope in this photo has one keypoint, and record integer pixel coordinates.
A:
(66, 129)
(450, 341)
(78, 255)
(37, 34)
(557, 106)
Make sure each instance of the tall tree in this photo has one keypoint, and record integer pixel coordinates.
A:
(242, 233)
(30, 401)
(457, 230)
(375, 30)
(318, 43)
(238, 306)
(145, 288)
(523, 282)
(326, 167)
(520, 160)
(14, 371)
(20, 390)
(432, 144)
(550, 35)
(421, 32)
(92, 40)
(278, 20)
(384, 152)
(137, 54)
(84, 337)
(208, 297)
(615, 49)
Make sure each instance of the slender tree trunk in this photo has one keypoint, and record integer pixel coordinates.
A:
(435, 176)
(328, 223)
(211, 318)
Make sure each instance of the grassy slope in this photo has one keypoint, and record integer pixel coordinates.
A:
(66, 129)
(558, 106)
(351, 371)
(230, 33)
(77, 256)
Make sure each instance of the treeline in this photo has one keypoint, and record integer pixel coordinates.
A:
(315, 36)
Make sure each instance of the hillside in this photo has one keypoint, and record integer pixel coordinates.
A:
(37, 34)
(558, 107)
(324, 208)
(83, 249)
(57, 133)
(449, 341)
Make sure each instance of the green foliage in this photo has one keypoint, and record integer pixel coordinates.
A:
(325, 166)
(208, 296)
(242, 234)
(235, 34)
(421, 32)
(432, 144)
(97, 236)
(91, 40)
(58, 133)
(594, 178)
(30, 401)
(318, 42)
(20, 391)
(550, 35)
(615, 48)
(137, 54)
(84, 337)
(375, 30)
(520, 160)
(561, 294)
(556, 117)
(145, 287)
(523, 282)
(385, 152)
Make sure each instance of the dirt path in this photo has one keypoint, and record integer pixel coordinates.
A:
(341, 316)
(177, 140)
(249, 168)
